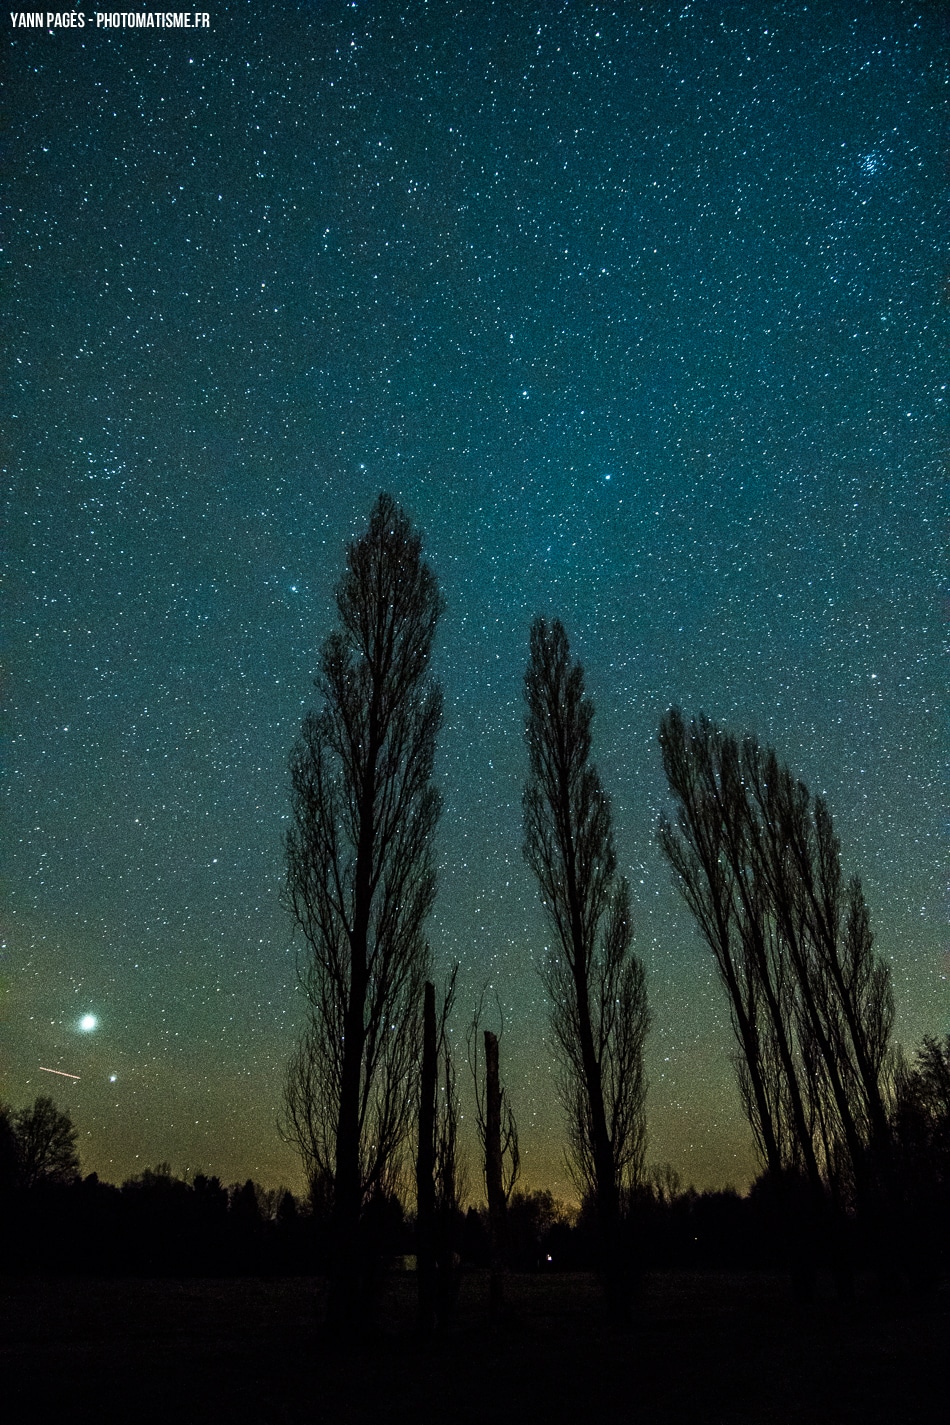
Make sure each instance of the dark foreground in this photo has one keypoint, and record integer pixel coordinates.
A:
(702, 1348)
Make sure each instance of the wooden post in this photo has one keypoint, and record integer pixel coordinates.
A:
(493, 1177)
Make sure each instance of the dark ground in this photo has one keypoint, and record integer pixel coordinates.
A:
(703, 1348)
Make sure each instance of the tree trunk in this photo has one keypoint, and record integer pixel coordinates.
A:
(493, 1176)
(344, 1305)
(613, 1268)
(425, 1171)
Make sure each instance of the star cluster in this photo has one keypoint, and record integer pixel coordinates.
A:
(636, 310)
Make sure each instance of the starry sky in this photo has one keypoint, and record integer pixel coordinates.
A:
(635, 309)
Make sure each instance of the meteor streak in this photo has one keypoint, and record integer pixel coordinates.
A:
(62, 1073)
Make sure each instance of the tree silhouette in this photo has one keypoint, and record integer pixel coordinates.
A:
(44, 1144)
(758, 863)
(921, 1123)
(437, 1165)
(501, 1154)
(8, 1152)
(596, 984)
(449, 1164)
(494, 1173)
(361, 881)
(425, 1167)
(507, 1151)
(531, 1217)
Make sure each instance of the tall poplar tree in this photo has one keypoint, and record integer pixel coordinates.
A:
(758, 863)
(360, 882)
(596, 984)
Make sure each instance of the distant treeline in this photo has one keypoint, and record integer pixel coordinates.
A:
(158, 1224)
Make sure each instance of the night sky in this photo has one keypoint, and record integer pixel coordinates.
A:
(636, 310)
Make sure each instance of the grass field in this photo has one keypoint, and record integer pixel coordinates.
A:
(702, 1348)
